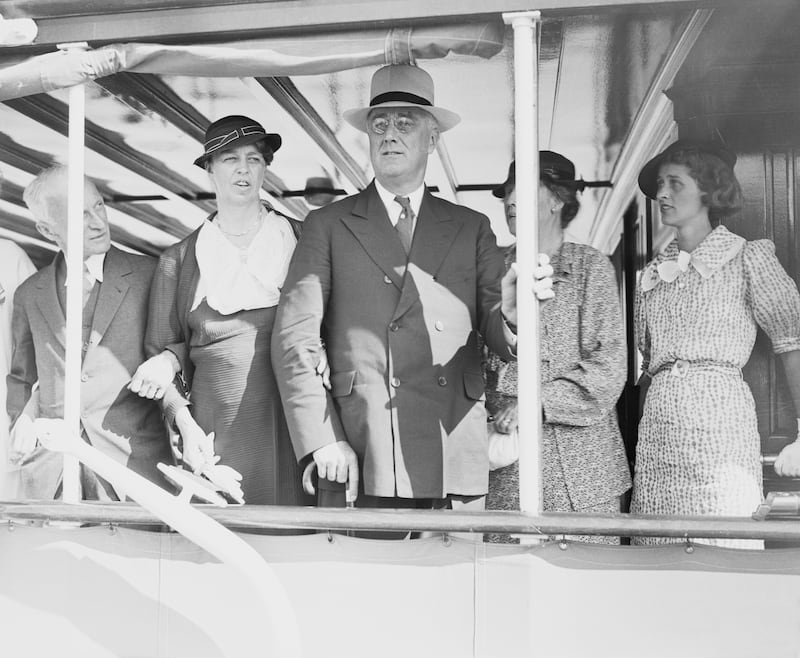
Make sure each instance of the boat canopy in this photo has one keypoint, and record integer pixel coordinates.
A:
(156, 77)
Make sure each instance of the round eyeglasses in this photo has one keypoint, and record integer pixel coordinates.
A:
(404, 125)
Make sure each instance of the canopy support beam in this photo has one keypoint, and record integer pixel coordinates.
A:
(526, 148)
(74, 280)
(650, 129)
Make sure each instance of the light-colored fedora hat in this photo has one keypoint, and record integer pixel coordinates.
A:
(401, 85)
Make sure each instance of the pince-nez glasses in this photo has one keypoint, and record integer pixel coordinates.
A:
(379, 125)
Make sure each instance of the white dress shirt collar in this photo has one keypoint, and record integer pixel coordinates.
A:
(393, 208)
(94, 266)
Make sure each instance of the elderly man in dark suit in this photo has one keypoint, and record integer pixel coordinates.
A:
(115, 299)
(398, 284)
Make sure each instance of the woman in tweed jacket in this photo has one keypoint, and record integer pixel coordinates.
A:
(584, 468)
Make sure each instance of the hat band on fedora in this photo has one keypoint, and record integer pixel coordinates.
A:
(236, 133)
(403, 96)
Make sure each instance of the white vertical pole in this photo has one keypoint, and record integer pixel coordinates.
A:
(526, 146)
(74, 303)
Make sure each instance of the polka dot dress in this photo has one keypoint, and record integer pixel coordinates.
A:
(696, 322)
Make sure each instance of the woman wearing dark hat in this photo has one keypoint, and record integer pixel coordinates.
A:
(584, 467)
(212, 308)
(697, 310)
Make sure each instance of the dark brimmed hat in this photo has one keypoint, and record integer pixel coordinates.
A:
(401, 85)
(648, 177)
(232, 131)
(552, 166)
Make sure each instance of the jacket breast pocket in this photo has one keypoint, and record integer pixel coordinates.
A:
(474, 386)
(342, 383)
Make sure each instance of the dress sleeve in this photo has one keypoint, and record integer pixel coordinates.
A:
(772, 295)
(164, 329)
(640, 328)
(588, 391)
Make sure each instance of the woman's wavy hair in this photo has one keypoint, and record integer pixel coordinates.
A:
(719, 188)
(568, 195)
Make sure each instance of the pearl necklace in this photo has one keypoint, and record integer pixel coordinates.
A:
(247, 230)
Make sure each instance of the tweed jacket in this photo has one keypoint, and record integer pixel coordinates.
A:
(121, 424)
(583, 355)
(401, 334)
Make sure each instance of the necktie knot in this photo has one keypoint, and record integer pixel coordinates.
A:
(405, 222)
(405, 203)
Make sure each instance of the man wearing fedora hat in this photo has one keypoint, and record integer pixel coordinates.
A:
(398, 284)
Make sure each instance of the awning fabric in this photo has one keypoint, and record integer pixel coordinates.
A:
(309, 55)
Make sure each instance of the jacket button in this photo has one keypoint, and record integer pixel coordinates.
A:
(442, 381)
(394, 326)
(395, 382)
(84, 377)
(386, 278)
(439, 325)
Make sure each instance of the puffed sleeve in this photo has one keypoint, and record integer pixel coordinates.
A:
(640, 328)
(772, 295)
(588, 391)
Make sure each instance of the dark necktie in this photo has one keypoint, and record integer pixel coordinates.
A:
(405, 223)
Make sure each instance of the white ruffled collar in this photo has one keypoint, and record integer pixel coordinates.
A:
(716, 249)
(234, 279)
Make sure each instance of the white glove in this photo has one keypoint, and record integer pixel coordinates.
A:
(788, 462)
(542, 279)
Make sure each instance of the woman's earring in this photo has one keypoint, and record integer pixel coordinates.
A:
(553, 209)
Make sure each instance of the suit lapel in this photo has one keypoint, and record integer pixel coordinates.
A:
(370, 225)
(433, 236)
(47, 301)
(112, 291)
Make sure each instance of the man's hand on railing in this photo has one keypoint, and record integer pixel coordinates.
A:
(338, 463)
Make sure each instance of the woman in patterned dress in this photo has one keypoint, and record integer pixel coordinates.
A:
(697, 310)
(212, 306)
(584, 468)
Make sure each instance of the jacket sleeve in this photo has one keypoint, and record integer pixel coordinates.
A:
(23, 373)
(588, 391)
(312, 419)
(164, 329)
(490, 270)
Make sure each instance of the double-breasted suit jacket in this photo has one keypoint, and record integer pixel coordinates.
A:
(119, 423)
(401, 337)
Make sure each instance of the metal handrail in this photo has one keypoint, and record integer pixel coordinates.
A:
(316, 518)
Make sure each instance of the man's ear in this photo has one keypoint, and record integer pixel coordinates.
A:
(434, 140)
(45, 230)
